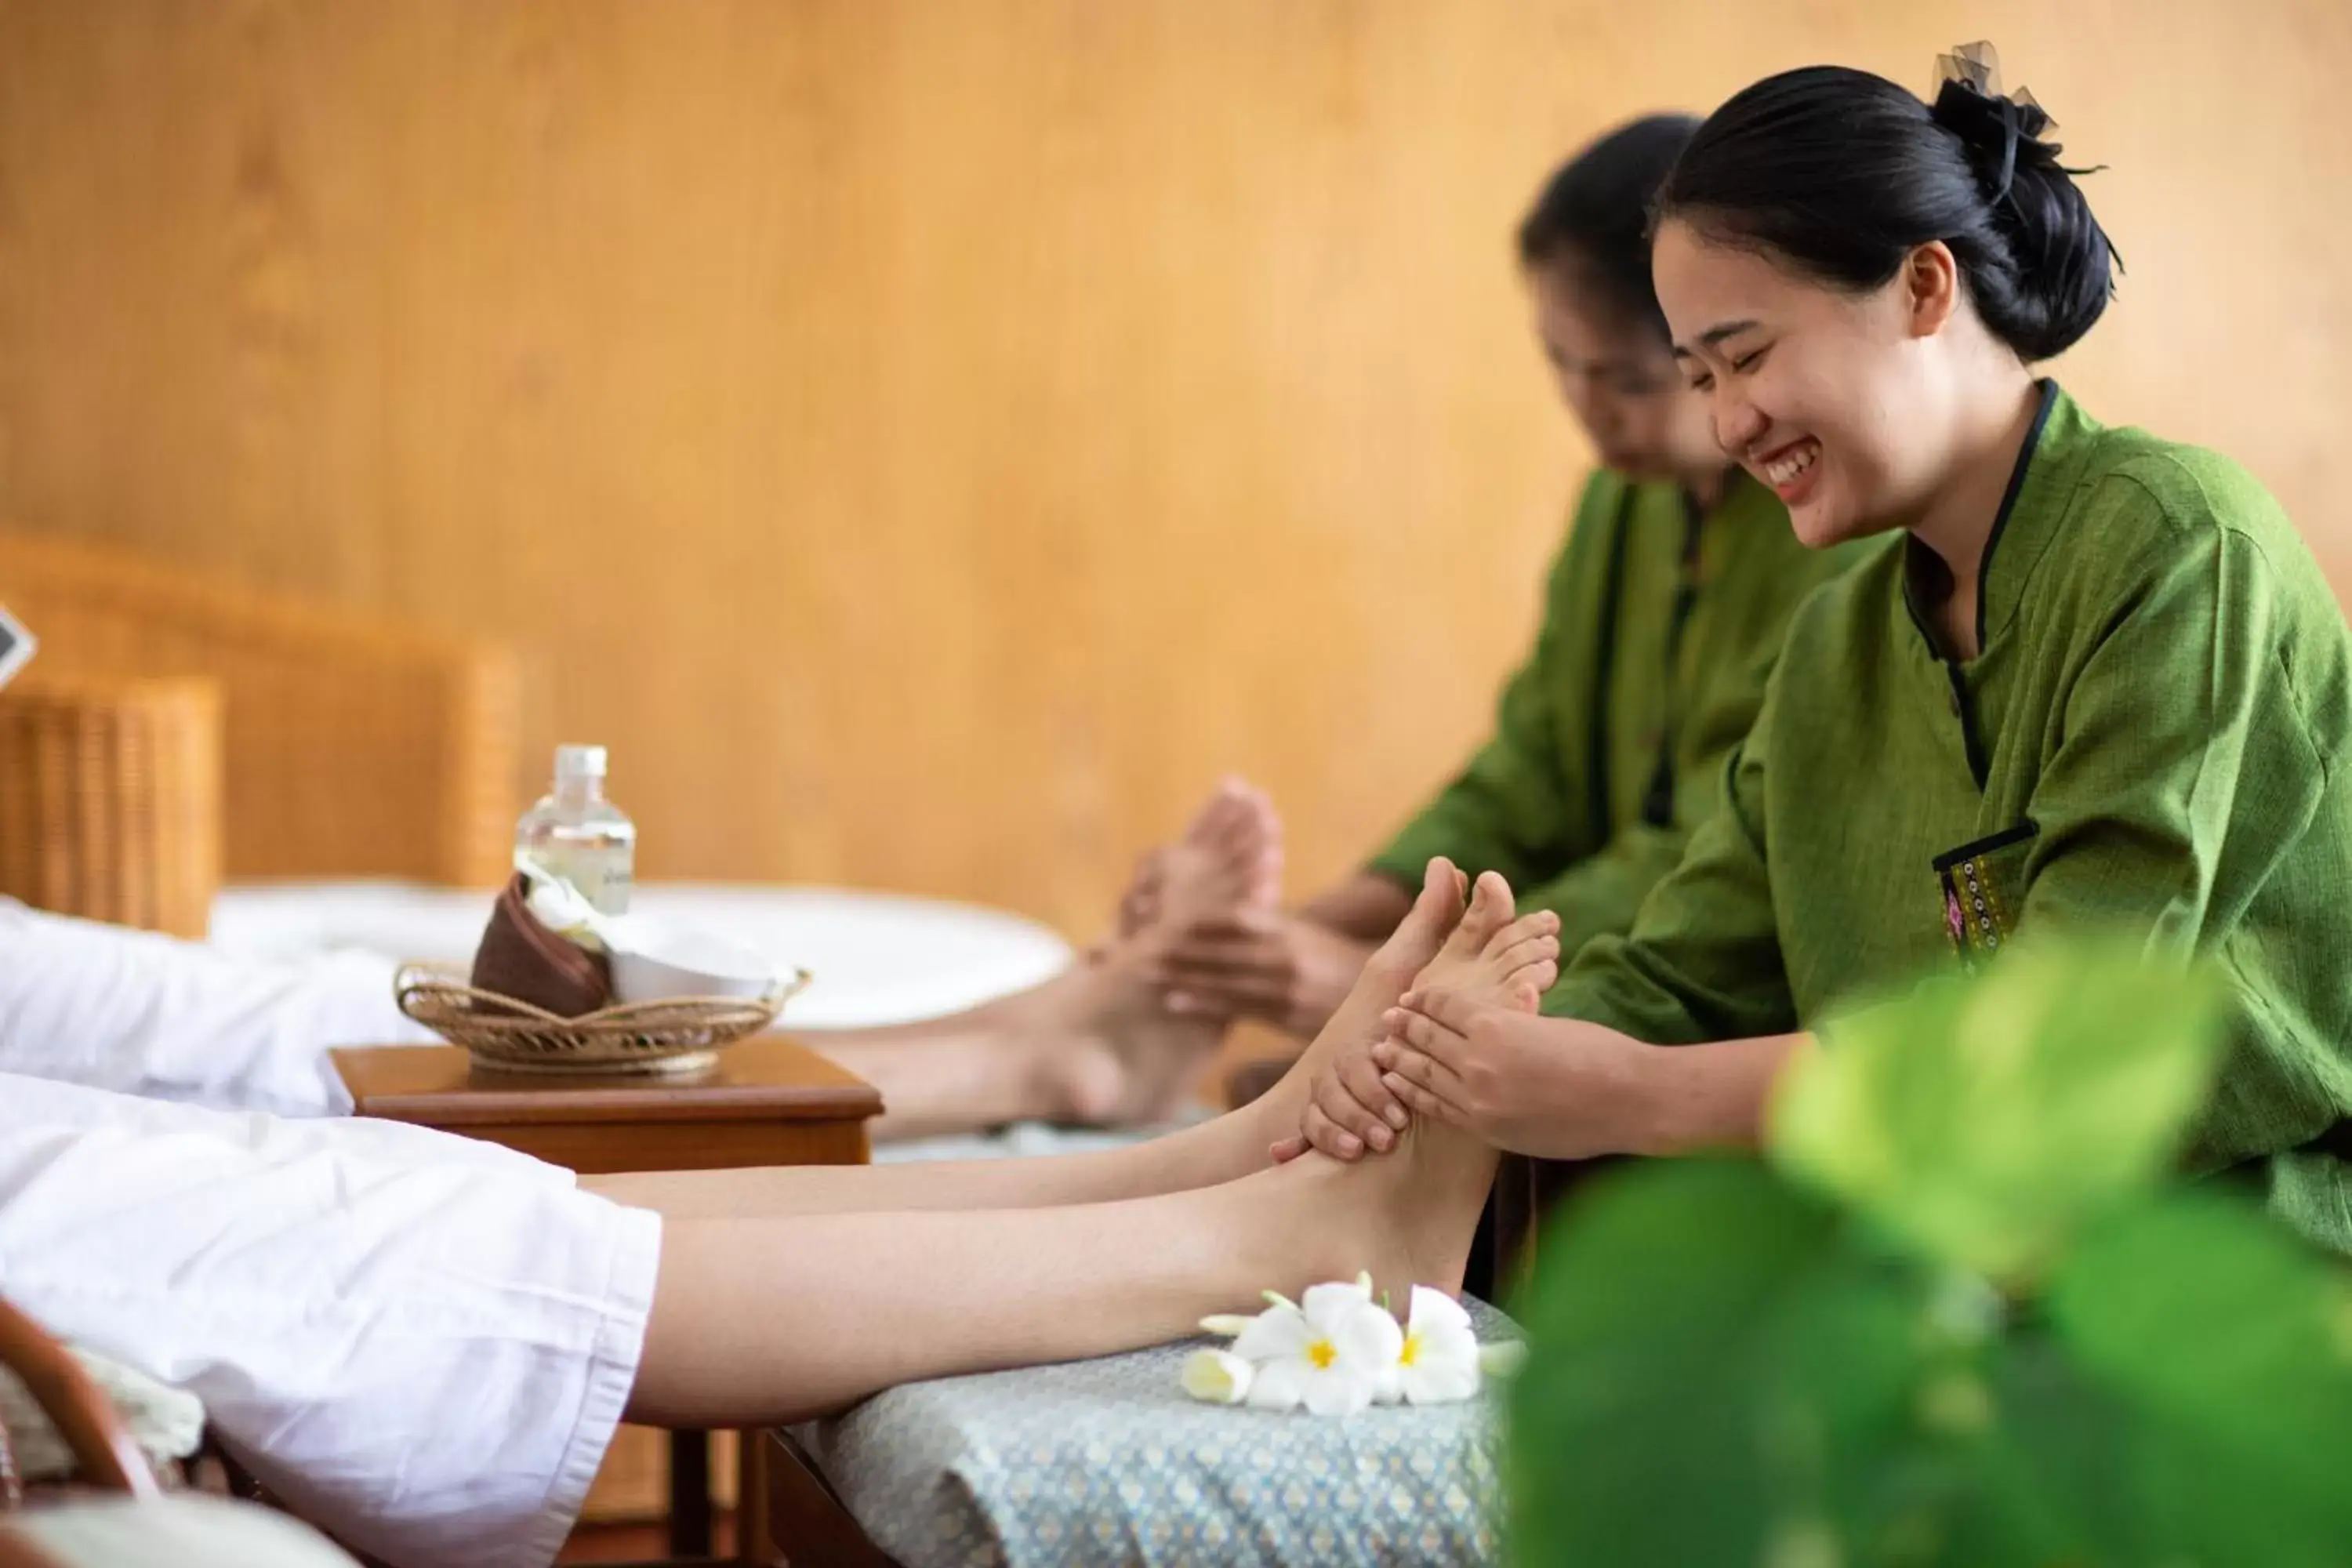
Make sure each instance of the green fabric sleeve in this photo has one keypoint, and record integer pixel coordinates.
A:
(2185, 777)
(1702, 961)
(1599, 894)
(1523, 800)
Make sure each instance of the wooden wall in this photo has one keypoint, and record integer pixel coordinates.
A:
(930, 440)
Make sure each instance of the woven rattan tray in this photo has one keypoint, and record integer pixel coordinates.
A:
(674, 1035)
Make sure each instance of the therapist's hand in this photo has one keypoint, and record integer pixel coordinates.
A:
(1350, 1111)
(1557, 1088)
(1139, 906)
(1264, 964)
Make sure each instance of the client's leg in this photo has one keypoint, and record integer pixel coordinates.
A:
(1092, 1046)
(329, 1295)
(780, 1317)
(422, 1344)
(1232, 1145)
(773, 1315)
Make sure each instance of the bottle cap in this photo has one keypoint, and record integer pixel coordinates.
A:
(578, 763)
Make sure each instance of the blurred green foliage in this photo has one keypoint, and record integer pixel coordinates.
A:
(1964, 1314)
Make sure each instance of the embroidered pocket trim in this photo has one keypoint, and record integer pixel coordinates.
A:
(1978, 912)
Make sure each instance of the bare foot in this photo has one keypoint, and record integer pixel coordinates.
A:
(1348, 1110)
(1358, 1021)
(1105, 1050)
(1229, 854)
(1492, 957)
(1145, 1060)
(1409, 1218)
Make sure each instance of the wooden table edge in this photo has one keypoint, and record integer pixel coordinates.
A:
(499, 1108)
(491, 1100)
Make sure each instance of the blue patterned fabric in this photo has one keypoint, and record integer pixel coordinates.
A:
(1106, 1461)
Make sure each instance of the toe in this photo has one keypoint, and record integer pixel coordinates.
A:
(1438, 910)
(1265, 872)
(1489, 913)
(1506, 960)
(1425, 928)
(1261, 824)
(1248, 831)
(1217, 814)
(1526, 928)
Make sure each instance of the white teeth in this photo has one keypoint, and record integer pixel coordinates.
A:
(1795, 463)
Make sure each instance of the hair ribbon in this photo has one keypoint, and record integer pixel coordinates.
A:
(1975, 70)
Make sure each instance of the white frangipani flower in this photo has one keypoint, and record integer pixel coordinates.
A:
(1216, 1377)
(1438, 1358)
(1329, 1352)
(1337, 1349)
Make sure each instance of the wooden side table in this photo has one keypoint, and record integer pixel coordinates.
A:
(766, 1101)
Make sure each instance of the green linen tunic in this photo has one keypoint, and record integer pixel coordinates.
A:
(1660, 625)
(2152, 736)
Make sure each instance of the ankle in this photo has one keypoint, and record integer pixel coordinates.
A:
(1300, 1224)
(1274, 1115)
(1456, 1163)
(1080, 1084)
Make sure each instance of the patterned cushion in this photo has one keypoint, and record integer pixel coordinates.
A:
(1106, 1461)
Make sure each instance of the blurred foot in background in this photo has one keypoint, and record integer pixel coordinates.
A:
(1097, 1046)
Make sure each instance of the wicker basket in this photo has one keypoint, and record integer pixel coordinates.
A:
(110, 799)
(680, 1035)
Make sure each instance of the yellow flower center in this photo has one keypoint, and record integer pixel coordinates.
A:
(1411, 1349)
(1322, 1354)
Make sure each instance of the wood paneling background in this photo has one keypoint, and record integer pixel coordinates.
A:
(930, 440)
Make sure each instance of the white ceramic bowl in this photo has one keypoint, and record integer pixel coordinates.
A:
(656, 959)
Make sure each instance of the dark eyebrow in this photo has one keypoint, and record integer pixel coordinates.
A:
(1717, 334)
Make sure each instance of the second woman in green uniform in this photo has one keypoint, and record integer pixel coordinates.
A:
(1662, 615)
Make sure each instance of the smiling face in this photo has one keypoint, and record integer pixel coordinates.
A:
(1835, 398)
(1619, 380)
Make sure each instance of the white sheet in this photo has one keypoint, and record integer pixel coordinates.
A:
(423, 1343)
(879, 958)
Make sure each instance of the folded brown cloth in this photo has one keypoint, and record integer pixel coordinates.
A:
(522, 959)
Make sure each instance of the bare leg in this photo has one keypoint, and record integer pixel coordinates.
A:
(1091, 1046)
(779, 1317)
(1058, 1052)
(1232, 1145)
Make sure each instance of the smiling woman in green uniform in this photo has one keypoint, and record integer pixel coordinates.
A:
(1660, 617)
(2095, 676)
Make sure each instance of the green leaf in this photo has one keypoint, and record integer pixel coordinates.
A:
(2048, 1482)
(1984, 1120)
(1711, 1361)
(1723, 1371)
(2230, 1343)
